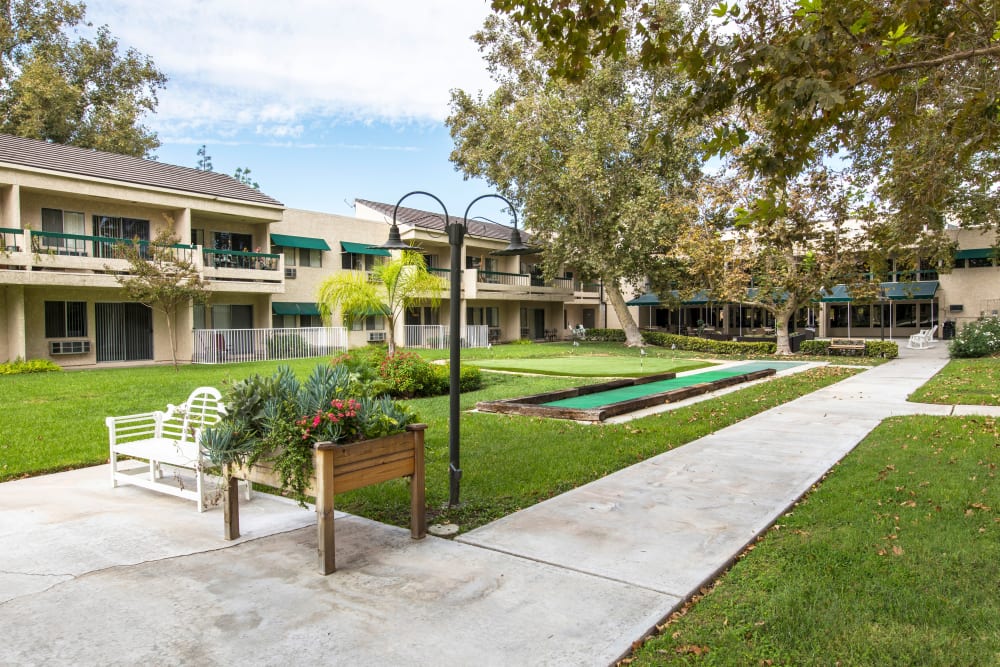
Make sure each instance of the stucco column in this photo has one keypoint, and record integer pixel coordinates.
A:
(16, 340)
(182, 224)
(10, 206)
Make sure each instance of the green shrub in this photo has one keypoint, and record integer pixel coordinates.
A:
(977, 339)
(470, 378)
(409, 375)
(675, 342)
(886, 349)
(817, 347)
(521, 341)
(606, 335)
(20, 366)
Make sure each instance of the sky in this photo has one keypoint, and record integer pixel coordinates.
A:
(324, 101)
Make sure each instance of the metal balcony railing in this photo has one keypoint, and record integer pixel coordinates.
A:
(105, 247)
(436, 337)
(217, 346)
(239, 259)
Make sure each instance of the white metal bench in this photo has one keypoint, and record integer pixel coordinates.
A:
(924, 339)
(170, 437)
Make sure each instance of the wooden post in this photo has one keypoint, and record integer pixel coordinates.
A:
(324, 506)
(418, 520)
(231, 507)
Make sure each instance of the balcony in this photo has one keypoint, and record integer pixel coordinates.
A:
(40, 257)
(520, 284)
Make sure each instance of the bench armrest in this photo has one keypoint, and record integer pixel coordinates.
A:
(125, 428)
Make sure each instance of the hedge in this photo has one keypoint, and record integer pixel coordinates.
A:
(20, 366)
(694, 344)
(873, 348)
(606, 335)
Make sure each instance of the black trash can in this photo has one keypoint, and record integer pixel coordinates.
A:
(948, 331)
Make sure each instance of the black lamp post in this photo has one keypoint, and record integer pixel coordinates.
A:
(456, 237)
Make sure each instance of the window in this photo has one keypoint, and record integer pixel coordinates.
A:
(310, 321)
(861, 316)
(352, 261)
(489, 316)
(289, 254)
(310, 257)
(979, 262)
(370, 323)
(117, 228)
(198, 316)
(838, 316)
(198, 237)
(906, 314)
(232, 317)
(232, 241)
(63, 222)
(65, 319)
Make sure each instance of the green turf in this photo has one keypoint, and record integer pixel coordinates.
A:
(637, 391)
(592, 366)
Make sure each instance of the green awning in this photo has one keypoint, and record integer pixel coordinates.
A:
(975, 253)
(647, 299)
(362, 249)
(699, 298)
(923, 290)
(294, 308)
(307, 242)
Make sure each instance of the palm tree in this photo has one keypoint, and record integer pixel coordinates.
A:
(388, 290)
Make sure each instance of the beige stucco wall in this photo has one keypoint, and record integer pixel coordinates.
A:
(976, 290)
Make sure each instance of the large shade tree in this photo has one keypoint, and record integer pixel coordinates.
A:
(83, 92)
(388, 291)
(908, 91)
(603, 174)
(812, 237)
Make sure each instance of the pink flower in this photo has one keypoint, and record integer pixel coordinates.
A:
(316, 420)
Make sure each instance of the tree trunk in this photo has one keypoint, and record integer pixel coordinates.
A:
(391, 338)
(632, 336)
(169, 316)
(782, 315)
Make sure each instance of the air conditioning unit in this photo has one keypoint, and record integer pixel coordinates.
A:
(69, 347)
(289, 272)
(376, 336)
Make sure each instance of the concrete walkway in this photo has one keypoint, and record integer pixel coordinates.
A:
(94, 575)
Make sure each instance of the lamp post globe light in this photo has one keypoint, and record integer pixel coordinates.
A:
(456, 237)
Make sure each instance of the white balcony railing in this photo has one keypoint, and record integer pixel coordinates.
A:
(217, 346)
(435, 337)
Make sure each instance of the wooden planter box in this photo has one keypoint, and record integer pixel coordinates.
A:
(340, 468)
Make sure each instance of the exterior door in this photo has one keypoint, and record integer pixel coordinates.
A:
(589, 320)
(538, 321)
(123, 332)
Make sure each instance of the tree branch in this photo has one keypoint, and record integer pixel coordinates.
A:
(933, 62)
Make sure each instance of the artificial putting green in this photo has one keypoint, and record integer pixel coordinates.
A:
(621, 394)
(592, 366)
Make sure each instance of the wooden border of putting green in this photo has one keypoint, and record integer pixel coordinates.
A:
(532, 406)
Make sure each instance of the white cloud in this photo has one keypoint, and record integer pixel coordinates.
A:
(266, 67)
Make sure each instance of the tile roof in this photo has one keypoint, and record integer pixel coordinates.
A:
(126, 169)
(435, 221)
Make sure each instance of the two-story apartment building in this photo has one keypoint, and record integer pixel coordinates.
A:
(64, 209)
(907, 302)
(504, 293)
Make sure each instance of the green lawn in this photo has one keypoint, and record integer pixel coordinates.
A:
(963, 382)
(618, 365)
(893, 560)
(54, 421)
